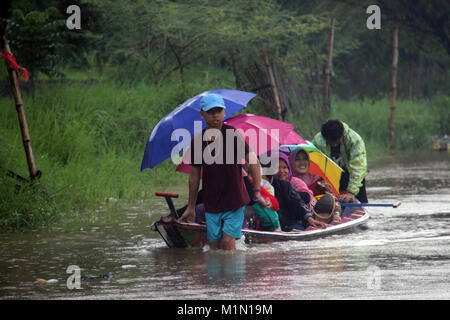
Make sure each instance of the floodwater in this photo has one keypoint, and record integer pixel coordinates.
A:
(403, 254)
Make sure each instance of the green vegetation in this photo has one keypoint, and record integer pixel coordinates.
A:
(134, 61)
(25, 206)
(89, 139)
(415, 122)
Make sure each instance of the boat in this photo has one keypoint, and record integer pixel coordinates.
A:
(184, 234)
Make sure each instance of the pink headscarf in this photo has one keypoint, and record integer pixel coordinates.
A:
(297, 183)
(308, 178)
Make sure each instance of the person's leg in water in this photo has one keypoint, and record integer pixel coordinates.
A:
(224, 228)
(226, 243)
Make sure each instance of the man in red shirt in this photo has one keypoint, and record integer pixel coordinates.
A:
(217, 152)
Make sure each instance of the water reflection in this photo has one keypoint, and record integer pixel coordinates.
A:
(227, 267)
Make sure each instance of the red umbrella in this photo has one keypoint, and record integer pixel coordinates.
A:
(261, 133)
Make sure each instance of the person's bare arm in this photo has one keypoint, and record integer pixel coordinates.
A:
(254, 171)
(194, 183)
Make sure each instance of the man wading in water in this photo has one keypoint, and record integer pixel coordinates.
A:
(224, 192)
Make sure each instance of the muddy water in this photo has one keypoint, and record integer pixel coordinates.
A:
(403, 254)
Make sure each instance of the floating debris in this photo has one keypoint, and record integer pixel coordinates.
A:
(103, 276)
(49, 281)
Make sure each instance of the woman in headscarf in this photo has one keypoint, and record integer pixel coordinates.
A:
(294, 212)
(285, 173)
(300, 162)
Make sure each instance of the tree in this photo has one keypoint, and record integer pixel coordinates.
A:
(427, 18)
(35, 39)
(166, 36)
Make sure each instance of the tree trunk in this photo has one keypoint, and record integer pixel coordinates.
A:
(273, 85)
(179, 61)
(317, 65)
(326, 100)
(393, 87)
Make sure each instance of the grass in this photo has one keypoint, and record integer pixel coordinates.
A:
(89, 138)
(415, 122)
(25, 206)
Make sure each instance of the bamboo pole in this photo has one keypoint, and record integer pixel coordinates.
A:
(326, 99)
(272, 85)
(393, 87)
(316, 61)
(21, 114)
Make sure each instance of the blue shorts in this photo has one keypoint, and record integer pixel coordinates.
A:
(229, 222)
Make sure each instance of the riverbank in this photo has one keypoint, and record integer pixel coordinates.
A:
(88, 140)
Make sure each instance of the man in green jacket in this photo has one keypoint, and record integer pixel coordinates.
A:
(346, 147)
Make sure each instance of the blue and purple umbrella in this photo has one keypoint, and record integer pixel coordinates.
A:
(160, 145)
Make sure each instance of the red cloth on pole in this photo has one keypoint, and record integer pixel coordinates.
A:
(11, 60)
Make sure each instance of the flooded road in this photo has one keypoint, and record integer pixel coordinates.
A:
(403, 254)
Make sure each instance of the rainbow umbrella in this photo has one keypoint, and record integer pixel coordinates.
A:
(320, 164)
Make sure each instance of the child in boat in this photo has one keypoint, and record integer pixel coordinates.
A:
(326, 208)
(266, 184)
(285, 173)
(300, 163)
(265, 213)
(268, 199)
(224, 192)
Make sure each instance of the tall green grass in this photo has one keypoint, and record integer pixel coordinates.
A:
(25, 205)
(415, 122)
(88, 141)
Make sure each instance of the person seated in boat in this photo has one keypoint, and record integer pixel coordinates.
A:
(266, 184)
(285, 173)
(263, 212)
(326, 208)
(300, 162)
(293, 212)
